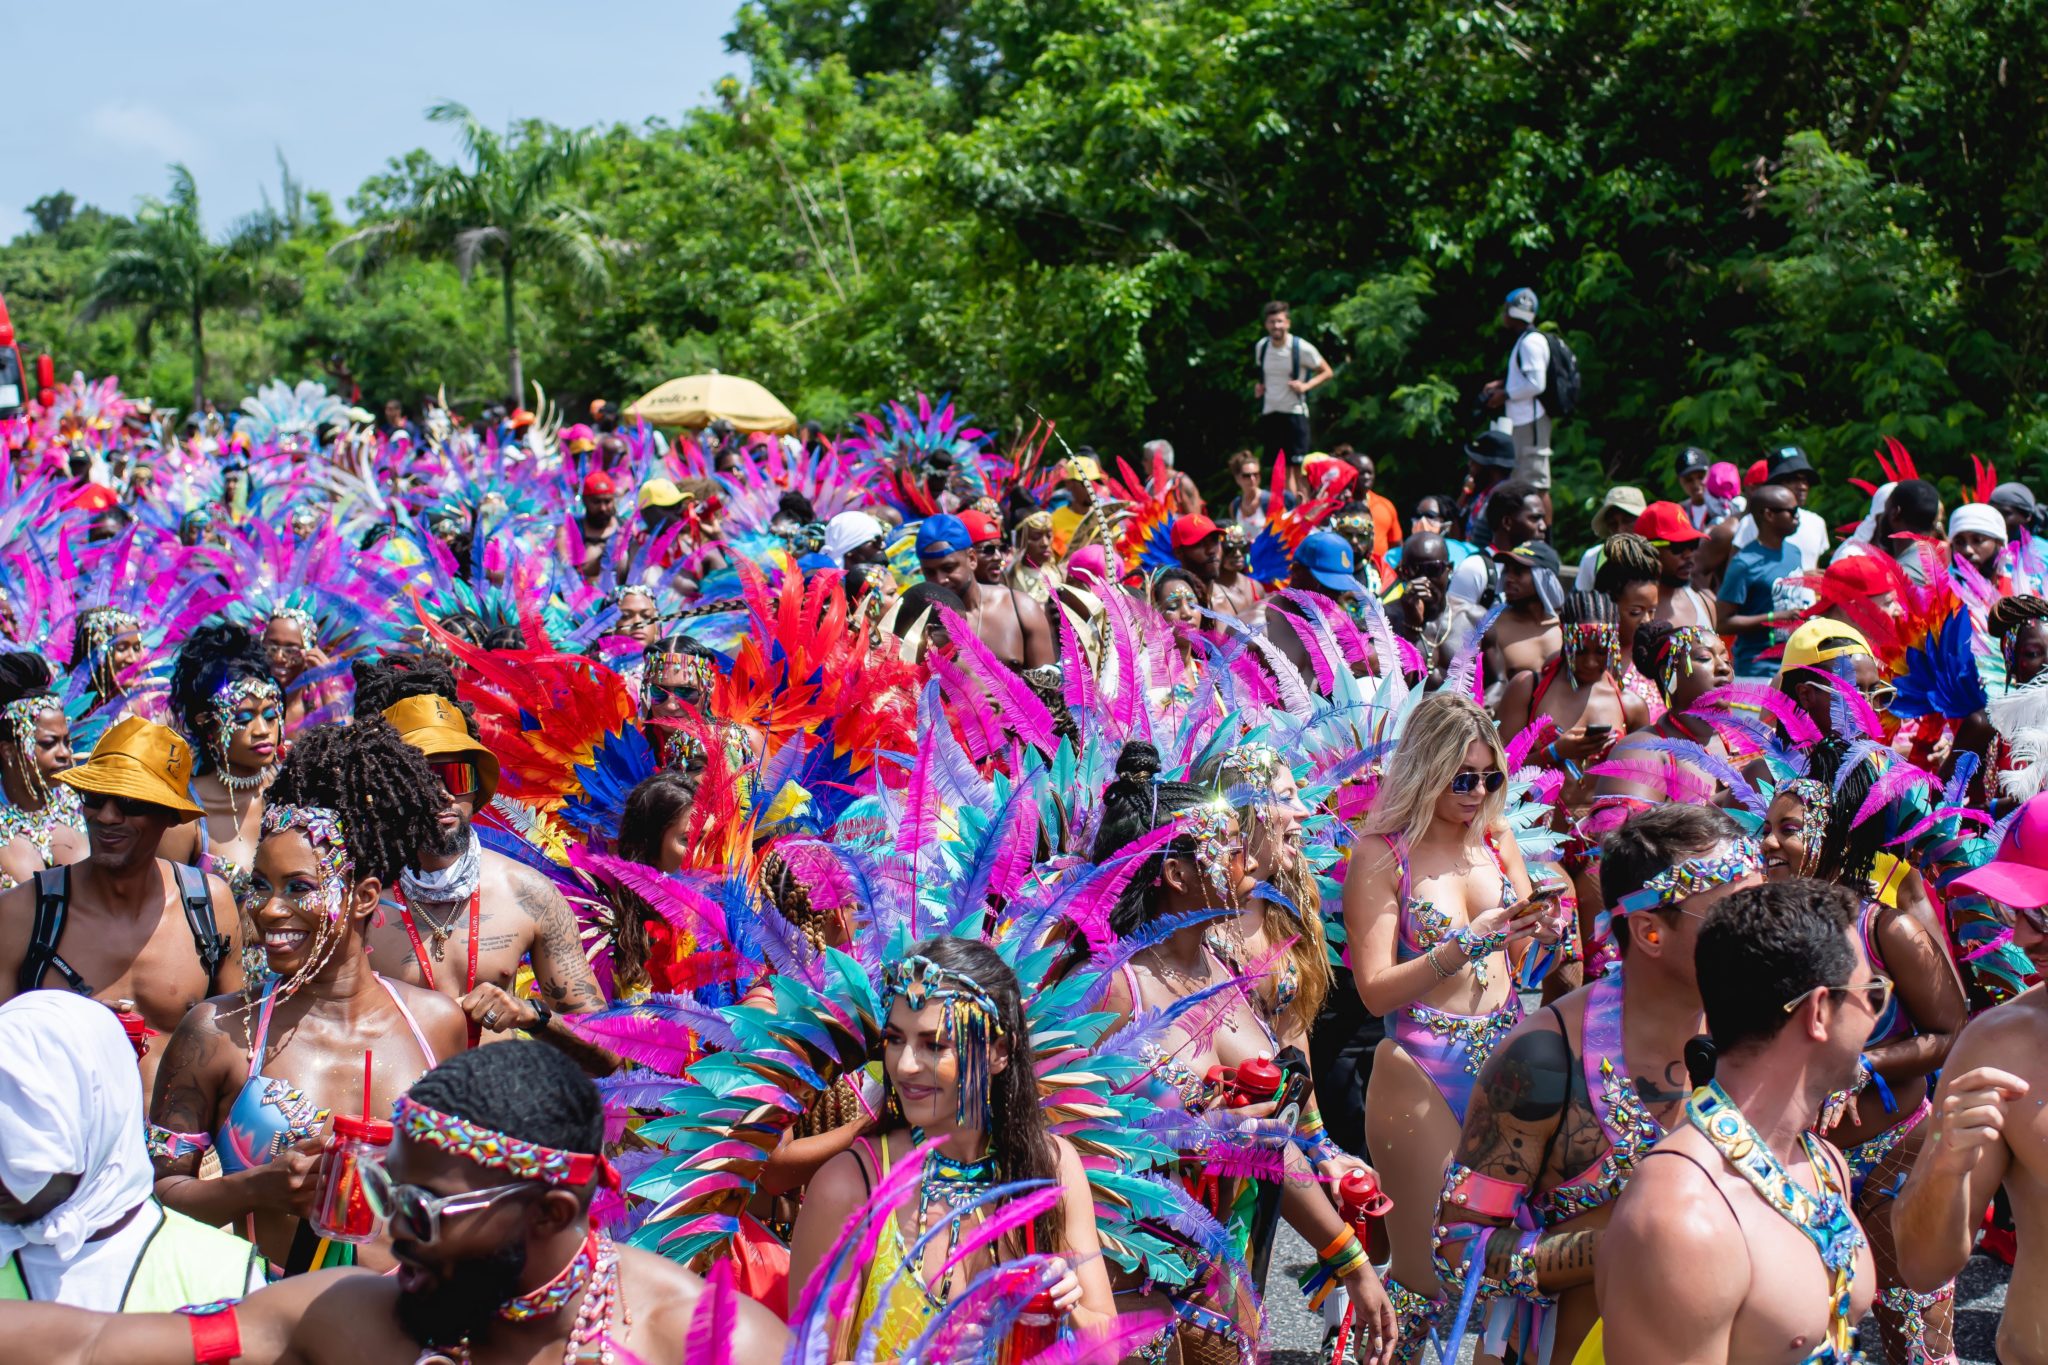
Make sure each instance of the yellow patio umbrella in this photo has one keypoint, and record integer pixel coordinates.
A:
(698, 400)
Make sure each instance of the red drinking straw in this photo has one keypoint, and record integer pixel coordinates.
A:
(369, 1058)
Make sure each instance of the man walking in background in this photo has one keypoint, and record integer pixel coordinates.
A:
(1520, 395)
(1288, 368)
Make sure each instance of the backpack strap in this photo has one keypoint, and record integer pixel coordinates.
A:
(53, 899)
(207, 940)
(1259, 356)
(1294, 357)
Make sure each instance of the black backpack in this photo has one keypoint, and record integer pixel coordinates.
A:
(1293, 358)
(1560, 394)
(53, 904)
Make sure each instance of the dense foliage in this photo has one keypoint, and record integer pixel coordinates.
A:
(1755, 222)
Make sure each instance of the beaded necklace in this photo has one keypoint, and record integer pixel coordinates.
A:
(592, 1340)
(1823, 1218)
(951, 1184)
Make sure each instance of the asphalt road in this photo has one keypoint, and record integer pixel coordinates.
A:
(1293, 1334)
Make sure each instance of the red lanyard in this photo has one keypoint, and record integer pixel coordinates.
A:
(419, 950)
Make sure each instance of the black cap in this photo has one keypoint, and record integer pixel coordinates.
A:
(1493, 448)
(1536, 554)
(1784, 462)
(1693, 460)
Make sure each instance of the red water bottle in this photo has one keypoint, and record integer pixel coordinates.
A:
(1360, 1197)
(1037, 1330)
(1257, 1081)
(344, 1213)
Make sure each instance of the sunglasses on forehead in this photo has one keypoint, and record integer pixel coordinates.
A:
(459, 776)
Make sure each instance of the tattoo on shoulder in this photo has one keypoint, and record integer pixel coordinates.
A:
(1530, 1078)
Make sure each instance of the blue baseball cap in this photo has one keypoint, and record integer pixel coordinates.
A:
(942, 535)
(1327, 556)
(1521, 303)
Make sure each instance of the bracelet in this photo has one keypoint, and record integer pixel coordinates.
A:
(1521, 1275)
(1344, 1256)
(1443, 973)
(216, 1334)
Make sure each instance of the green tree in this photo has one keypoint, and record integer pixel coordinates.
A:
(507, 207)
(164, 266)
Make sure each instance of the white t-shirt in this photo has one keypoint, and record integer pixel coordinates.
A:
(1280, 365)
(1528, 369)
(1470, 578)
(1811, 539)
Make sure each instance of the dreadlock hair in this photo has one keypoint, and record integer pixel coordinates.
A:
(215, 655)
(1017, 1139)
(522, 1089)
(1848, 851)
(1625, 559)
(1134, 805)
(383, 683)
(387, 797)
(1301, 923)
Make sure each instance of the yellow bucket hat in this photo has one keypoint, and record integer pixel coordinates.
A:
(139, 760)
(436, 727)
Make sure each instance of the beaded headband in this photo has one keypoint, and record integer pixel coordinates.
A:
(972, 1020)
(309, 629)
(1693, 876)
(323, 830)
(1213, 827)
(1819, 803)
(1678, 648)
(499, 1151)
(105, 624)
(22, 714)
(256, 692)
(698, 671)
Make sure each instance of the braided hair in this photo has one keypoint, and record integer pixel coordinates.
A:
(387, 797)
(383, 683)
(1848, 852)
(215, 655)
(1134, 805)
(1590, 620)
(2009, 616)
(1626, 559)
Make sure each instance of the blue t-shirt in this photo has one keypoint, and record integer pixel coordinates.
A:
(1759, 582)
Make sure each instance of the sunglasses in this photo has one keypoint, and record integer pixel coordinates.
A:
(457, 775)
(1876, 993)
(1427, 568)
(124, 806)
(1464, 784)
(1880, 696)
(415, 1215)
(661, 692)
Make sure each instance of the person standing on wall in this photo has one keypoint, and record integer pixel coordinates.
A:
(1288, 367)
(1532, 394)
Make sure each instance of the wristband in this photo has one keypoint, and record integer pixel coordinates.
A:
(1521, 1274)
(541, 1015)
(216, 1335)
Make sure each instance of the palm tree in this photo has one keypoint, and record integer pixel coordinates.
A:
(503, 207)
(165, 266)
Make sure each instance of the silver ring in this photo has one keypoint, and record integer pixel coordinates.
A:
(490, 1019)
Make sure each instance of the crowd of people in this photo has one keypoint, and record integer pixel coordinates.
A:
(479, 889)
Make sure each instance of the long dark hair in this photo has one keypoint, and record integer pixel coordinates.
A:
(1134, 805)
(1017, 1139)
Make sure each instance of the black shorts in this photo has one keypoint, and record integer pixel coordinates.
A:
(1285, 433)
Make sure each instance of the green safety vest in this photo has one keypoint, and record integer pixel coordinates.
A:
(183, 1262)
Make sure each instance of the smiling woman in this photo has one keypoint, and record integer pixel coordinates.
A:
(257, 1084)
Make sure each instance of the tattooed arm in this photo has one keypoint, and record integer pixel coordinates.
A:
(202, 1070)
(1530, 1099)
(561, 973)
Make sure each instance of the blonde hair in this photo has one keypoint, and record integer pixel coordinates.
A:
(1295, 879)
(1419, 771)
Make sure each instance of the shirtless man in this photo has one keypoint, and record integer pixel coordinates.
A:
(1989, 1127)
(985, 534)
(1527, 635)
(471, 1233)
(1416, 606)
(465, 916)
(1707, 1260)
(1666, 526)
(1013, 626)
(1548, 1133)
(1235, 592)
(124, 926)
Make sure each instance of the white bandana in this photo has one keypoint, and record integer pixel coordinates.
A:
(451, 884)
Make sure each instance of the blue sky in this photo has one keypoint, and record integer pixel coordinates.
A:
(113, 92)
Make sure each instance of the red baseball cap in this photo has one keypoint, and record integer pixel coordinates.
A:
(1667, 521)
(2018, 876)
(1858, 575)
(598, 484)
(981, 527)
(1192, 529)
